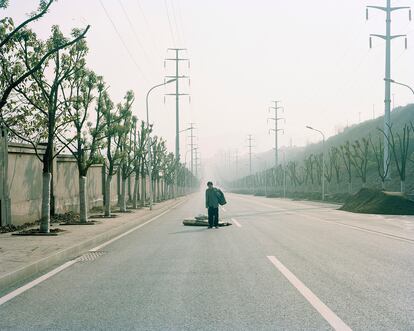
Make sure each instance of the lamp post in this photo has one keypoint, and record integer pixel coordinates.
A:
(149, 140)
(397, 83)
(323, 160)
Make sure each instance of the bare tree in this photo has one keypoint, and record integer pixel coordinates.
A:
(400, 147)
(347, 160)
(378, 150)
(359, 158)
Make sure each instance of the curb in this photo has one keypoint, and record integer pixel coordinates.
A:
(69, 253)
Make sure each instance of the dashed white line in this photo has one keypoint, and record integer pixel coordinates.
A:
(236, 223)
(323, 309)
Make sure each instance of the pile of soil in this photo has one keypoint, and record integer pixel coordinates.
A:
(370, 201)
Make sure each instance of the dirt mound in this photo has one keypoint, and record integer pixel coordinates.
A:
(370, 201)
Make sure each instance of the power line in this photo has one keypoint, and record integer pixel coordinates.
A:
(169, 23)
(181, 21)
(179, 39)
(123, 42)
(137, 39)
(154, 38)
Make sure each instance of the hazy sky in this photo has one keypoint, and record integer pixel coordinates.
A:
(314, 56)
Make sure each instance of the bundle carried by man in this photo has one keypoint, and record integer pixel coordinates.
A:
(202, 220)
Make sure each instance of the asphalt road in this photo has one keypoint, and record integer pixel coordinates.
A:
(282, 265)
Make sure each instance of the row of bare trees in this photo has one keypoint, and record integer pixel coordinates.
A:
(51, 100)
(343, 164)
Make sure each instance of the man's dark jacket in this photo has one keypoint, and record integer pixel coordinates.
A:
(212, 198)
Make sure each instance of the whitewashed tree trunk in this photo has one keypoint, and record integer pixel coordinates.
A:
(122, 203)
(143, 189)
(108, 195)
(136, 193)
(83, 200)
(45, 221)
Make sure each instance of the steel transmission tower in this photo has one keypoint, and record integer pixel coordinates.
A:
(276, 129)
(192, 136)
(177, 95)
(388, 38)
(250, 139)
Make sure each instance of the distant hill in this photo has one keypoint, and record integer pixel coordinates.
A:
(399, 117)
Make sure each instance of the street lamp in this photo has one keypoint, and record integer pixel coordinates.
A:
(149, 140)
(323, 159)
(397, 83)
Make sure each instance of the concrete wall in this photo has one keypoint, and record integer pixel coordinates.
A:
(24, 177)
(25, 183)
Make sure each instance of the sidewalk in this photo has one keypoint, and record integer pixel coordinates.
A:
(23, 256)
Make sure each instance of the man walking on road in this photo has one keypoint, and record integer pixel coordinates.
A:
(212, 204)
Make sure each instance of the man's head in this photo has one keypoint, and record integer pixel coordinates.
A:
(210, 184)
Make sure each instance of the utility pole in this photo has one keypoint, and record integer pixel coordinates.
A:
(237, 163)
(177, 95)
(387, 37)
(197, 163)
(250, 153)
(191, 128)
(276, 130)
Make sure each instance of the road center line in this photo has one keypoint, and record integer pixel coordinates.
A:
(323, 309)
(236, 223)
(66, 265)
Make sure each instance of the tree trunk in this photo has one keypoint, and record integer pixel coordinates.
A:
(143, 189)
(136, 192)
(108, 195)
(45, 220)
(350, 187)
(122, 203)
(83, 199)
(403, 186)
(383, 185)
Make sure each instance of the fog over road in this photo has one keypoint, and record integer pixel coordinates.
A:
(283, 265)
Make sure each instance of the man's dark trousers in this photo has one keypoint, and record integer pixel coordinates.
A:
(213, 216)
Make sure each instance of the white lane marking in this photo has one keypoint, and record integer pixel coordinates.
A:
(97, 248)
(66, 265)
(236, 223)
(359, 228)
(35, 282)
(260, 203)
(323, 309)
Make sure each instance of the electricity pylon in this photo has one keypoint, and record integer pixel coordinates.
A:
(388, 38)
(177, 95)
(276, 129)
